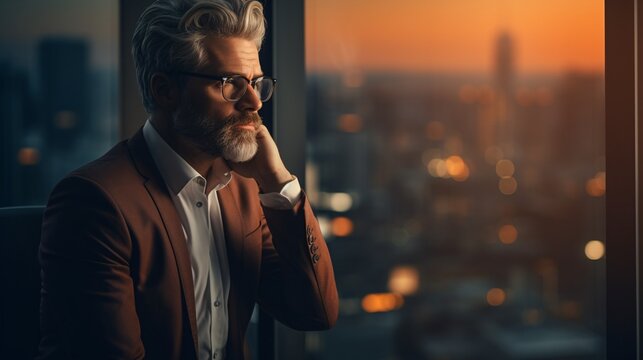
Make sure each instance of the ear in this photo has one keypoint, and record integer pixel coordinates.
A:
(165, 91)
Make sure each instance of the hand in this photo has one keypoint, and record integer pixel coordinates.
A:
(266, 167)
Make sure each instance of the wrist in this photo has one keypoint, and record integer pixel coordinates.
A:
(275, 181)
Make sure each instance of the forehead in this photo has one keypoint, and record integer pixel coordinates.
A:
(232, 55)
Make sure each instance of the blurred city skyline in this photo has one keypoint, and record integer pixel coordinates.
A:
(456, 161)
(59, 68)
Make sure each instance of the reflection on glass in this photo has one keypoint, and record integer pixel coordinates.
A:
(58, 69)
(456, 159)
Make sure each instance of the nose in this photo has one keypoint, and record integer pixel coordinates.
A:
(250, 101)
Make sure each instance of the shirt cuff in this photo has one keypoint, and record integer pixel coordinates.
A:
(286, 199)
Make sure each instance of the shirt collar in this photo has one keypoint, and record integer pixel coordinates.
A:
(177, 172)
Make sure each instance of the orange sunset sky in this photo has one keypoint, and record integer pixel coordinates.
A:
(453, 35)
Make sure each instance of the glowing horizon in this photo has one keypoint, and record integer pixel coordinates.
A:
(454, 36)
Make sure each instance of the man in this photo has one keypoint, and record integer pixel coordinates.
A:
(160, 248)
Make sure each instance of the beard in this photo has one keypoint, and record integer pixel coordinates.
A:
(219, 136)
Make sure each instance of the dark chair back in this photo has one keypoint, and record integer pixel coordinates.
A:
(20, 287)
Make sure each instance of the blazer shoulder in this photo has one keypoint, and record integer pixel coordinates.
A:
(114, 172)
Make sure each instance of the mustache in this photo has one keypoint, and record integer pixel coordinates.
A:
(244, 119)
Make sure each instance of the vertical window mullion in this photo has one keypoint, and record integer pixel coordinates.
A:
(621, 142)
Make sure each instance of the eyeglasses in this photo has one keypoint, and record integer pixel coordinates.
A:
(234, 87)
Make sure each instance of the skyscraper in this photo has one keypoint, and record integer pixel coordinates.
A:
(65, 93)
(10, 106)
(64, 76)
(504, 94)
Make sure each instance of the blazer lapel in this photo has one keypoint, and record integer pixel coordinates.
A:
(159, 193)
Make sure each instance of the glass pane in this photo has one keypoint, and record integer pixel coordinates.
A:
(58, 92)
(456, 162)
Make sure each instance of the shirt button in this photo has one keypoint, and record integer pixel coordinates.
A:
(217, 303)
(200, 181)
(199, 204)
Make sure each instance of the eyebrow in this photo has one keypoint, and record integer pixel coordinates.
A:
(230, 73)
(242, 75)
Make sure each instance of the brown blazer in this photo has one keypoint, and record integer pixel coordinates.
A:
(116, 275)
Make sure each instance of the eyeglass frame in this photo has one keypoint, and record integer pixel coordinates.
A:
(223, 80)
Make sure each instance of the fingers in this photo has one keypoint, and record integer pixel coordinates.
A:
(262, 132)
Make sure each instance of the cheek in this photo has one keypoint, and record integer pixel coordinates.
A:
(215, 105)
(206, 99)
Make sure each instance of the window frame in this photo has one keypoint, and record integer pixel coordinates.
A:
(623, 131)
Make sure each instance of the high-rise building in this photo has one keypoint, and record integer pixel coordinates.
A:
(504, 124)
(504, 63)
(64, 84)
(9, 132)
(65, 93)
(19, 154)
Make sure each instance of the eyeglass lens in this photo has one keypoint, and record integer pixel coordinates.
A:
(234, 88)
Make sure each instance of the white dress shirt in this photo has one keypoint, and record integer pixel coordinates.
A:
(200, 216)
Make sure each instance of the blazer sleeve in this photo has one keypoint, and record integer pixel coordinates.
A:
(297, 284)
(87, 308)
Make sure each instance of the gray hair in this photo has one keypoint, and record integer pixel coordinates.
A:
(169, 35)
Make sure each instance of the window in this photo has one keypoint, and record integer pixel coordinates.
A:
(456, 160)
(58, 88)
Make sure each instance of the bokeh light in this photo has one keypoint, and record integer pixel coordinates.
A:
(505, 168)
(382, 302)
(28, 156)
(596, 186)
(594, 250)
(404, 280)
(438, 168)
(65, 119)
(350, 123)
(496, 297)
(342, 226)
(340, 202)
(507, 234)
(508, 186)
(456, 168)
